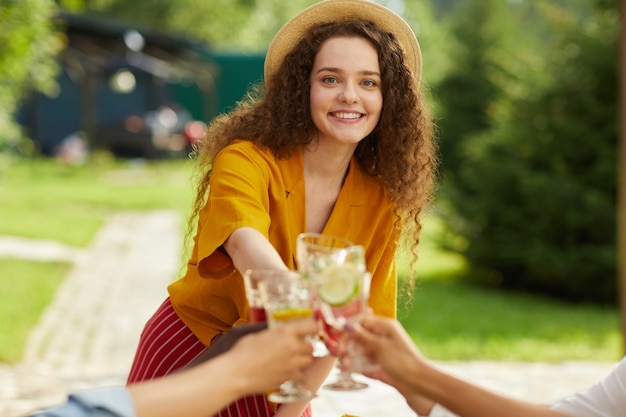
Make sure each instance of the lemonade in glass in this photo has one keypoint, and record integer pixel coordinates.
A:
(287, 298)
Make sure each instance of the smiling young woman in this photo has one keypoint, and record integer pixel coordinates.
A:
(337, 142)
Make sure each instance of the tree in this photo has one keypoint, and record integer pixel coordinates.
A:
(487, 42)
(28, 45)
(241, 25)
(535, 204)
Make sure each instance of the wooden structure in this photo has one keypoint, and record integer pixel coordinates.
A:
(110, 72)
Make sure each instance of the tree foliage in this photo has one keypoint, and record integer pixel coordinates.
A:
(469, 88)
(534, 195)
(240, 25)
(28, 46)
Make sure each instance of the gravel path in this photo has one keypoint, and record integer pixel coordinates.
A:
(88, 335)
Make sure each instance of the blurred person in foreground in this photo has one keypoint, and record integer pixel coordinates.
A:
(241, 359)
(431, 392)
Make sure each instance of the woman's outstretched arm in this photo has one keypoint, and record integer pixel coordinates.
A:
(423, 384)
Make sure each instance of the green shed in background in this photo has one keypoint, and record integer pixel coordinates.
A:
(235, 74)
(119, 85)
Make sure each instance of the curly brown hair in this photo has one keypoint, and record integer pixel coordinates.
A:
(400, 151)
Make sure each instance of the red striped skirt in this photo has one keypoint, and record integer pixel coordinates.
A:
(167, 344)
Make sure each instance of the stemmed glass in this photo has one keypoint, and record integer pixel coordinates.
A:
(339, 307)
(337, 268)
(286, 297)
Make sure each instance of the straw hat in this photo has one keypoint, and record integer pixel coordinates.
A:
(327, 11)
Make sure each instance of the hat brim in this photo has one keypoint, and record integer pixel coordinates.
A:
(343, 10)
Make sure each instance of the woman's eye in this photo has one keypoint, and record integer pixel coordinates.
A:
(369, 83)
(329, 80)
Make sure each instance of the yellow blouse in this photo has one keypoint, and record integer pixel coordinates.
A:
(250, 187)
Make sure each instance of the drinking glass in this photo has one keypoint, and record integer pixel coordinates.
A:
(251, 279)
(312, 246)
(309, 248)
(342, 262)
(286, 297)
(337, 313)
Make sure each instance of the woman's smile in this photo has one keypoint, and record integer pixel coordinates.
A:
(345, 115)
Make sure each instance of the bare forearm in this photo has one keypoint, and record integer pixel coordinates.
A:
(249, 249)
(189, 393)
(469, 400)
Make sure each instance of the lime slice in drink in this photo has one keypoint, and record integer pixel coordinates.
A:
(338, 284)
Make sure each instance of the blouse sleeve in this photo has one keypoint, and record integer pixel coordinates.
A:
(605, 398)
(237, 198)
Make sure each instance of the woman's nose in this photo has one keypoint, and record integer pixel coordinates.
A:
(349, 94)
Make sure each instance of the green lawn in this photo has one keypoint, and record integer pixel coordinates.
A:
(25, 290)
(446, 318)
(42, 199)
(450, 320)
(456, 321)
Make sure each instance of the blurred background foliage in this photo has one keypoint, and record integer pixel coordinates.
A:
(29, 43)
(529, 138)
(525, 97)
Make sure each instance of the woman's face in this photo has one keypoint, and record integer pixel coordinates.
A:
(346, 96)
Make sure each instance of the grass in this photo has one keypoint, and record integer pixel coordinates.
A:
(448, 319)
(455, 321)
(42, 199)
(26, 288)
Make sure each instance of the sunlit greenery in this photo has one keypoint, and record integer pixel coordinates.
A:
(30, 44)
(42, 199)
(448, 319)
(453, 320)
(26, 288)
